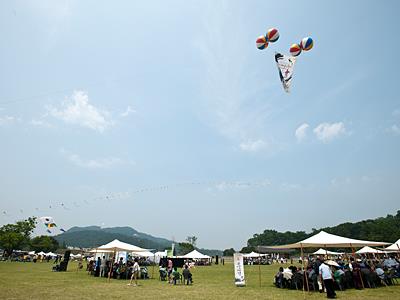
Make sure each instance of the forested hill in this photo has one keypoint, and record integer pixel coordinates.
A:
(92, 236)
(386, 229)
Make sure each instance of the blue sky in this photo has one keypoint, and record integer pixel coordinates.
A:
(163, 116)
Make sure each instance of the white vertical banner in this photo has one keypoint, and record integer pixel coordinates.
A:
(239, 269)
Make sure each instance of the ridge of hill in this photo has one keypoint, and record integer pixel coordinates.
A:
(93, 236)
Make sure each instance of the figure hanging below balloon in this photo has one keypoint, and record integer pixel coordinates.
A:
(285, 66)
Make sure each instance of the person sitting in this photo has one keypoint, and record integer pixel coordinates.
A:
(279, 278)
(163, 273)
(338, 276)
(175, 275)
(187, 275)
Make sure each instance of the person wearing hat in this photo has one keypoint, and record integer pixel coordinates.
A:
(326, 275)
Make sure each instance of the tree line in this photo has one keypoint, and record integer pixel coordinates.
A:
(18, 237)
(385, 229)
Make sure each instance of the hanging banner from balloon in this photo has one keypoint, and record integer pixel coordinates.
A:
(285, 66)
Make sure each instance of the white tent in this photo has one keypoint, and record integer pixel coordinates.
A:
(394, 247)
(253, 254)
(41, 253)
(158, 255)
(196, 254)
(327, 240)
(321, 251)
(143, 254)
(368, 249)
(51, 254)
(117, 245)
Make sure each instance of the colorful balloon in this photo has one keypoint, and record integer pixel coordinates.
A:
(306, 43)
(272, 35)
(261, 42)
(295, 49)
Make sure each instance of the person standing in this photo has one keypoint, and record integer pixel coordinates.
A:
(170, 269)
(103, 265)
(135, 272)
(97, 269)
(326, 275)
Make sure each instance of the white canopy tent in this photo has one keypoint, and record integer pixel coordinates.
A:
(117, 245)
(143, 254)
(158, 255)
(367, 249)
(394, 247)
(321, 251)
(328, 240)
(253, 255)
(196, 255)
(51, 254)
(120, 249)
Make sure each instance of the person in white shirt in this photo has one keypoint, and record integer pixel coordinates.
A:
(135, 272)
(326, 275)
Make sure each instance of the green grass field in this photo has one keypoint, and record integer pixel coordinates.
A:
(37, 281)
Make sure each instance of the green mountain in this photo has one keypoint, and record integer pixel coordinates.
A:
(93, 236)
(385, 229)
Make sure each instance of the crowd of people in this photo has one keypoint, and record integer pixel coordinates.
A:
(136, 268)
(121, 269)
(169, 272)
(330, 275)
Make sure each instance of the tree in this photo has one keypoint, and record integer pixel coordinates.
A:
(192, 240)
(44, 243)
(13, 236)
(247, 249)
(229, 252)
(185, 248)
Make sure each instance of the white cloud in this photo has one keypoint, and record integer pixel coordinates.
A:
(41, 123)
(6, 120)
(301, 132)
(253, 146)
(396, 113)
(99, 163)
(78, 111)
(395, 129)
(327, 132)
(129, 110)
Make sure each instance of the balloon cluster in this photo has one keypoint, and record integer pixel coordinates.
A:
(271, 36)
(305, 45)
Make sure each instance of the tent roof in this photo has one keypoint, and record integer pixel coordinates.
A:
(117, 245)
(394, 247)
(328, 240)
(143, 254)
(367, 249)
(253, 254)
(321, 251)
(195, 254)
